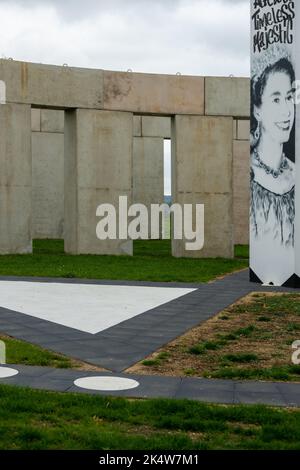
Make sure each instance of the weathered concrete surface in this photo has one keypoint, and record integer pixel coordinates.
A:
(157, 94)
(235, 125)
(50, 85)
(71, 87)
(43, 147)
(241, 171)
(243, 129)
(15, 179)
(227, 96)
(137, 126)
(36, 120)
(47, 184)
(148, 172)
(98, 169)
(202, 174)
(156, 126)
(48, 168)
(52, 120)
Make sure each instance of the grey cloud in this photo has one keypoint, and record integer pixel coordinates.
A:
(159, 36)
(72, 9)
(78, 8)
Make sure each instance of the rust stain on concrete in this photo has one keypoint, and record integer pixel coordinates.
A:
(117, 87)
(24, 79)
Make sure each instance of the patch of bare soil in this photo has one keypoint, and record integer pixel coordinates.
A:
(263, 326)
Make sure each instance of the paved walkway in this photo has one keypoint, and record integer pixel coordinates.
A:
(120, 346)
(204, 390)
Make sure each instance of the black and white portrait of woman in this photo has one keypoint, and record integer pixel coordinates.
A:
(272, 206)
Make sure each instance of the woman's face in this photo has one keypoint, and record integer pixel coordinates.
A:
(277, 111)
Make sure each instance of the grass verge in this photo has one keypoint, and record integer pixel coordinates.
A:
(152, 261)
(36, 420)
(21, 352)
(250, 340)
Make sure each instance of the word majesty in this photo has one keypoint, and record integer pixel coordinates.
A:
(119, 227)
(273, 22)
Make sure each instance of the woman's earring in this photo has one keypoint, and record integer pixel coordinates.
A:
(257, 132)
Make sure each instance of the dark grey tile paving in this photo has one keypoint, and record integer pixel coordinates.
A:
(206, 396)
(71, 374)
(150, 387)
(284, 387)
(252, 398)
(292, 399)
(207, 384)
(205, 390)
(30, 371)
(100, 282)
(257, 387)
(39, 383)
(121, 346)
(112, 363)
(215, 391)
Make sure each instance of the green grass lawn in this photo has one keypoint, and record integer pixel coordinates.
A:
(20, 352)
(152, 261)
(35, 420)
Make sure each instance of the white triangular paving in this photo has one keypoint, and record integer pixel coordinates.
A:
(85, 307)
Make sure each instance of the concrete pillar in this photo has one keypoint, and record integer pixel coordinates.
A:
(47, 173)
(148, 172)
(202, 174)
(98, 169)
(156, 126)
(275, 163)
(15, 179)
(137, 126)
(47, 185)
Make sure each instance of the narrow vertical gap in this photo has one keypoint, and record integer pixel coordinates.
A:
(167, 184)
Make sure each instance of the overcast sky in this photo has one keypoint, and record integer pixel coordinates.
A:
(194, 37)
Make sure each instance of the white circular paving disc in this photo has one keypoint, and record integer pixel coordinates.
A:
(6, 372)
(106, 384)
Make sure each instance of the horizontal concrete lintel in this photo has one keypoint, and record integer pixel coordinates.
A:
(153, 93)
(227, 96)
(52, 86)
(63, 87)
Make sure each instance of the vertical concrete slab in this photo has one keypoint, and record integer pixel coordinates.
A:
(156, 126)
(50, 85)
(148, 171)
(137, 126)
(15, 179)
(35, 120)
(98, 169)
(235, 128)
(152, 93)
(243, 129)
(52, 120)
(275, 164)
(202, 174)
(227, 96)
(47, 184)
(241, 191)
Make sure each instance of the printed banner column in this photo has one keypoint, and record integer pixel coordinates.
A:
(275, 143)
